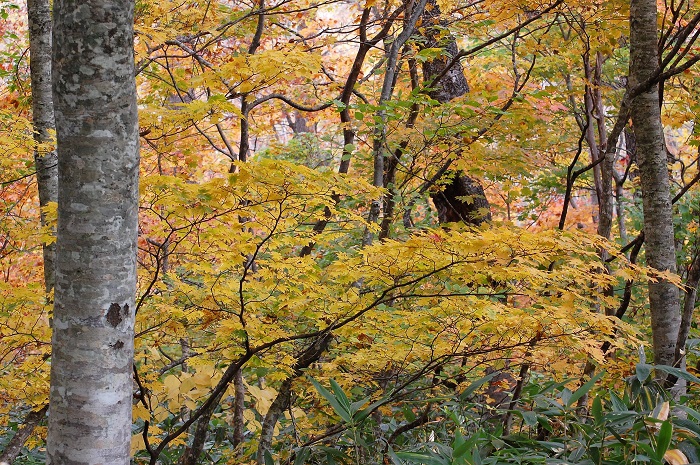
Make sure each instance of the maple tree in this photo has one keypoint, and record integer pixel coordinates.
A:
(368, 227)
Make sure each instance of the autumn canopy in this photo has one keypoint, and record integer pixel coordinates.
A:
(408, 231)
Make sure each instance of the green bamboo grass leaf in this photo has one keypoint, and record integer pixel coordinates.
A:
(597, 410)
(475, 385)
(337, 405)
(643, 370)
(364, 413)
(415, 457)
(340, 395)
(583, 390)
(678, 373)
(664, 439)
(394, 458)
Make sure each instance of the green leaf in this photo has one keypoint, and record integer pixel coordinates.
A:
(428, 54)
(643, 371)
(583, 390)
(664, 439)
(364, 413)
(335, 403)
(476, 385)
(565, 396)
(460, 446)
(340, 395)
(689, 426)
(355, 406)
(268, 458)
(618, 405)
(415, 457)
(476, 457)
(394, 458)
(597, 410)
(530, 418)
(646, 448)
(302, 455)
(332, 453)
(678, 373)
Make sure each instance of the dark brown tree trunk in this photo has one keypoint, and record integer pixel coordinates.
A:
(462, 198)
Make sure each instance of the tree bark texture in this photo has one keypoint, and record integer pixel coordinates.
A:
(45, 163)
(453, 84)
(93, 323)
(472, 207)
(654, 179)
(39, 19)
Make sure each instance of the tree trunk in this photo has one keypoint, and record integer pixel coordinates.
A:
(93, 323)
(453, 84)
(449, 202)
(656, 196)
(39, 19)
(45, 163)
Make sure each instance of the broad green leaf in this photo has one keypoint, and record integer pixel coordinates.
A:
(302, 455)
(425, 459)
(678, 373)
(476, 385)
(394, 458)
(335, 403)
(597, 410)
(664, 439)
(340, 395)
(643, 370)
(530, 418)
(583, 390)
(459, 445)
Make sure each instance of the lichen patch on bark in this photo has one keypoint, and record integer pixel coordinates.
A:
(114, 316)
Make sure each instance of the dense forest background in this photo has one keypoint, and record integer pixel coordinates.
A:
(420, 231)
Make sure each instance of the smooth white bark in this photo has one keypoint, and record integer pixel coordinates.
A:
(93, 322)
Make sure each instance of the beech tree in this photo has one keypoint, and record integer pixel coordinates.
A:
(97, 138)
(39, 18)
(656, 193)
(46, 165)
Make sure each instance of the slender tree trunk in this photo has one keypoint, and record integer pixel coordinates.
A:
(14, 446)
(605, 196)
(379, 142)
(45, 163)
(39, 18)
(98, 144)
(656, 196)
(619, 179)
(689, 300)
(283, 400)
(238, 408)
